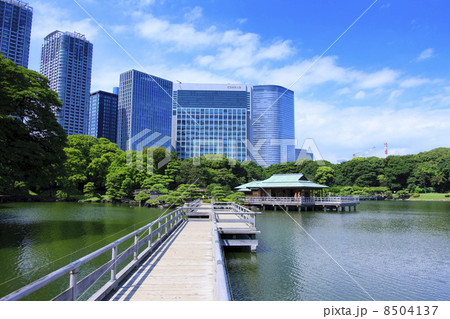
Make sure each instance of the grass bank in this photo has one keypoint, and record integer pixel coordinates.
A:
(432, 196)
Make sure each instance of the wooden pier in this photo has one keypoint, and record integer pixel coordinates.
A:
(176, 257)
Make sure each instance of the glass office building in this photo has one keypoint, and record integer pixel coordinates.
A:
(66, 60)
(272, 125)
(210, 119)
(144, 112)
(15, 30)
(103, 115)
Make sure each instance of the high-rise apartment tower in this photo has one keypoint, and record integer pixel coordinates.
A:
(66, 60)
(15, 30)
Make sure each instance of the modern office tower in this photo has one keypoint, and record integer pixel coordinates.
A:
(272, 125)
(66, 60)
(210, 119)
(145, 111)
(15, 30)
(103, 115)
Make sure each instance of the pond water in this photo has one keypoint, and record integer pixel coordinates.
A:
(384, 251)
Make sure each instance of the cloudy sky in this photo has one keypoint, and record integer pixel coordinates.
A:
(364, 72)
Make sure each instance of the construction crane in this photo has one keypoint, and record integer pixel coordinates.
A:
(365, 153)
(371, 149)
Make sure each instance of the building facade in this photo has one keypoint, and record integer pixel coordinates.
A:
(272, 125)
(103, 115)
(301, 153)
(210, 119)
(66, 60)
(144, 111)
(15, 30)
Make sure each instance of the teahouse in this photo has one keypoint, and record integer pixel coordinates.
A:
(283, 185)
(293, 190)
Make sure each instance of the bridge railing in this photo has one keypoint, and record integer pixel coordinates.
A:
(153, 234)
(301, 200)
(337, 200)
(244, 214)
(192, 207)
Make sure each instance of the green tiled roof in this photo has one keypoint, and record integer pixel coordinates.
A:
(281, 181)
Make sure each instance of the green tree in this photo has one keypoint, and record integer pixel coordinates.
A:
(141, 196)
(156, 179)
(218, 193)
(89, 189)
(325, 175)
(31, 140)
(253, 171)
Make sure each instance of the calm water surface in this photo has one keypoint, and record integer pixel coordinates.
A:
(37, 238)
(393, 250)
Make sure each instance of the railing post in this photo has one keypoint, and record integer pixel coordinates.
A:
(114, 266)
(150, 237)
(136, 241)
(73, 283)
(165, 226)
(159, 227)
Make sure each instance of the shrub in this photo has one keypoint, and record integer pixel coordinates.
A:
(61, 195)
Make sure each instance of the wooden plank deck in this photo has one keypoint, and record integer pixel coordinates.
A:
(182, 268)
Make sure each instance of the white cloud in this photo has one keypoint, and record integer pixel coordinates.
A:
(193, 14)
(48, 18)
(360, 95)
(339, 132)
(395, 94)
(377, 79)
(228, 49)
(425, 54)
(183, 35)
(413, 82)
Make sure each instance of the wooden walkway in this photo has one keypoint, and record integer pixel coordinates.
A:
(182, 268)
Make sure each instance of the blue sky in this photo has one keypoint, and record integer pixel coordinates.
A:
(385, 80)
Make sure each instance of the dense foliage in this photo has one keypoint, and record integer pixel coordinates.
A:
(31, 140)
(97, 167)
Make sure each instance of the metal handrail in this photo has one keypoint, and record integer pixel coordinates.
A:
(310, 200)
(165, 225)
(235, 209)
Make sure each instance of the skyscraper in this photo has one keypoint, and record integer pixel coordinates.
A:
(15, 30)
(66, 60)
(210, 119)
(272, 125)
(144, 112)
(103, 115)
